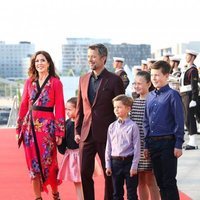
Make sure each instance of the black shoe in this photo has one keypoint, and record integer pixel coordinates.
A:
(189, 147)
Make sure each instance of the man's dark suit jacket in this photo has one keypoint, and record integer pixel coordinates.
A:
(99, 115)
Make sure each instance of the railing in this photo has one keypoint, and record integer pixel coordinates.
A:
(13, 113)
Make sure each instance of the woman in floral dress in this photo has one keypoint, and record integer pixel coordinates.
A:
(41, 121)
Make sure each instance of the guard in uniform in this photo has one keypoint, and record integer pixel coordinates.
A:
(144, 66)
(189, 92)
(174, 77)
(150, 62)
(166, 57)
(118, 66)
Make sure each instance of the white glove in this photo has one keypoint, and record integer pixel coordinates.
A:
(192, 104)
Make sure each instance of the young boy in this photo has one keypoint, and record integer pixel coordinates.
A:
(123, 150)
(164, 130)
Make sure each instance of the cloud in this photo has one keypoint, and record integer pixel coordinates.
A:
(48, 22)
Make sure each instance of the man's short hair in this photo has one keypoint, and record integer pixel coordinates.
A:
(163, 65)
(102, 50)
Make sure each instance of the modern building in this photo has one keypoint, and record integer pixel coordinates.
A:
(74, 54)
(132, 53)
(13, 57)
(178, 48)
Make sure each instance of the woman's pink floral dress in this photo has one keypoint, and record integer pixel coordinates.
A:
(40, 128)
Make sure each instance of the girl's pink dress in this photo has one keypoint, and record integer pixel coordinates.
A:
(70, 167)
(40, 150)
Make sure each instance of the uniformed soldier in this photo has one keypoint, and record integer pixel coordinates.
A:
(174, 62)
(144, 66)
(166, 57)
(174, 78)
(189, 92)
(118, 66)
(150, 62)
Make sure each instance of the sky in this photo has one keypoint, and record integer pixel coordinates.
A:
(47, 23)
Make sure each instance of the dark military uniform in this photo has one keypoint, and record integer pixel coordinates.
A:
(189, 91)
(174, 81)
(123, 76)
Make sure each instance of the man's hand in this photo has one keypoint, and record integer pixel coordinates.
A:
(77, 138)
(108, 172)
(133, 172)
(177, 152)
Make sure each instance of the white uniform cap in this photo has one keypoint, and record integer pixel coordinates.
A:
(144, 62)
(176, 59)
(118, 59)
(136, 67)
(192, 52)
(151, 60)
(168, 54)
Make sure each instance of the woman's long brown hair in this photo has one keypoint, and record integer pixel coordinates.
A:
(32, 72)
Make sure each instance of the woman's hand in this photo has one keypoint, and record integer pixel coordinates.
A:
(17, 137)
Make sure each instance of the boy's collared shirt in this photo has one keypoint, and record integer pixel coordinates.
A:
(164, 115)
(123, 140)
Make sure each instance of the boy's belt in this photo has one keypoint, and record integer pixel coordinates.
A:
(122, 157)
(164, 137)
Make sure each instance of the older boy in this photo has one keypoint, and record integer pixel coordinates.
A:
(164, 130)
(123, 150)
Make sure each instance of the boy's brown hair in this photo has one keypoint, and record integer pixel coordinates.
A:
(163, 65)
(127, 101)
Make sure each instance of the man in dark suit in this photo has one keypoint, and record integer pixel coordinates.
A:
(94, 114)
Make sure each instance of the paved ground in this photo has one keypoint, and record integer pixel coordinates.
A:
(189, 171)
(188, 175)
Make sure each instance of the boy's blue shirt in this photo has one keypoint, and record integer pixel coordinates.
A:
(164, 115)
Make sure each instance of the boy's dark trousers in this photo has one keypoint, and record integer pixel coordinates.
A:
(120, 173)
(164, 165)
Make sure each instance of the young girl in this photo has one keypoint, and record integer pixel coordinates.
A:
(147, 186)
(70, 166)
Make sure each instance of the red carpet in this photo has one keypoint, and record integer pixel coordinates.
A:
(14, 181)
